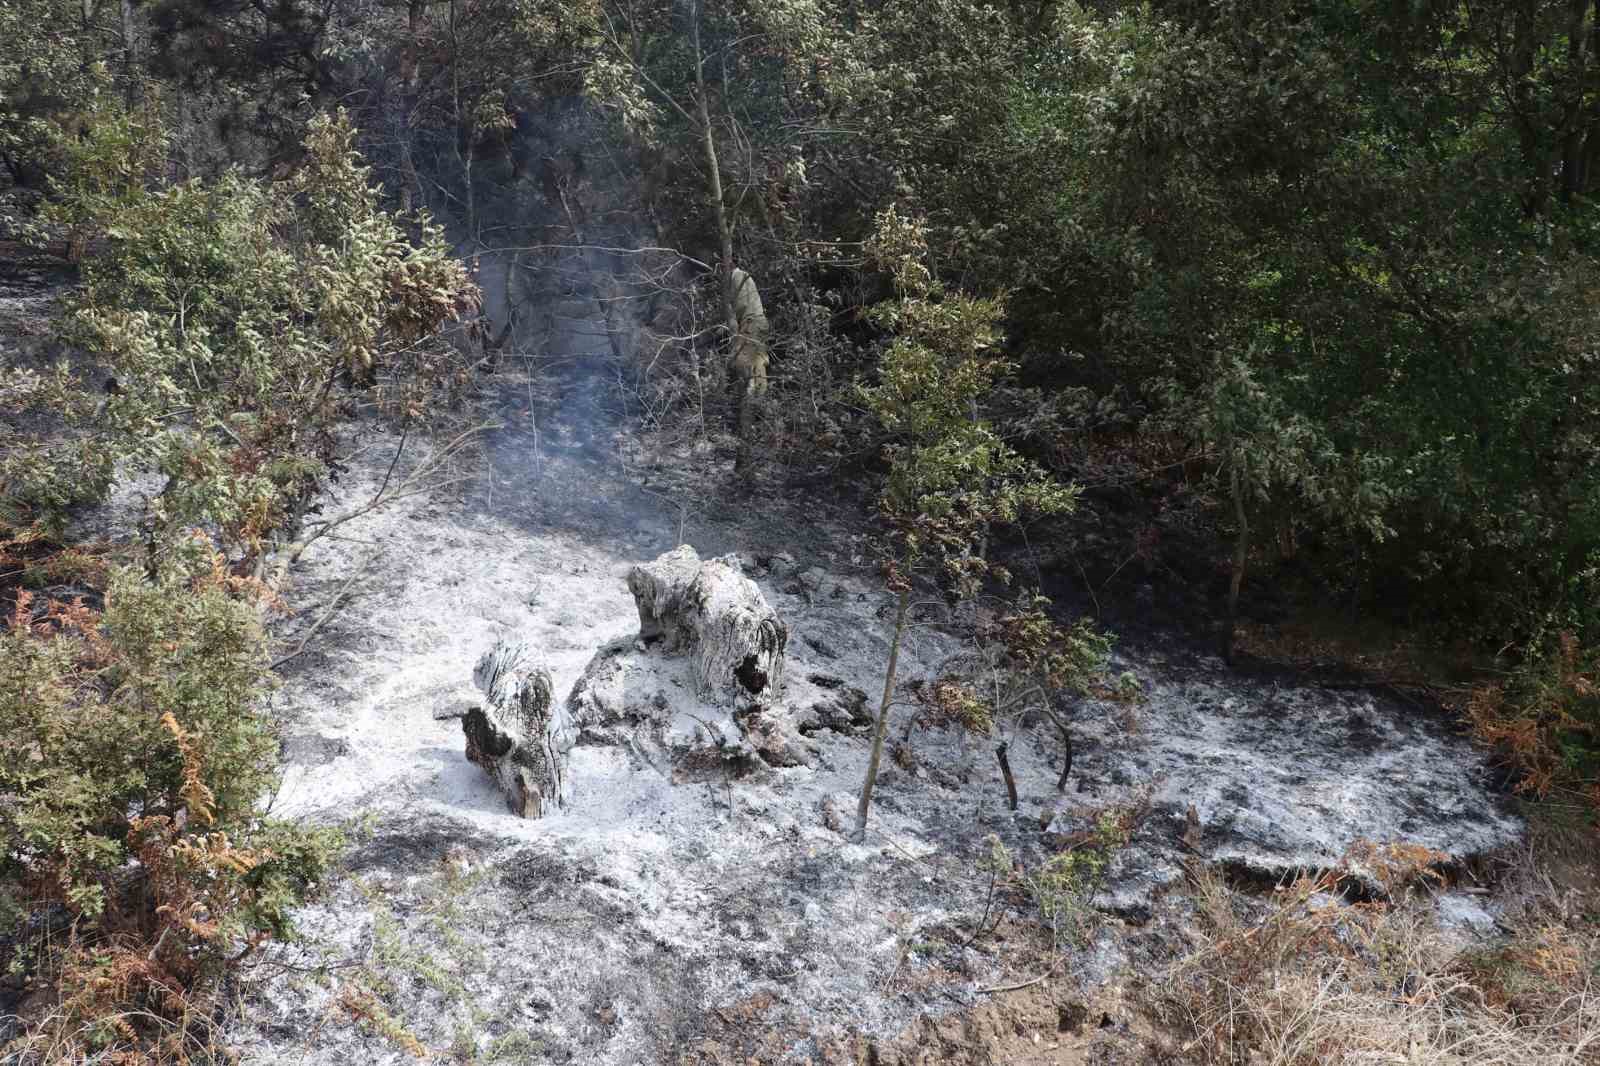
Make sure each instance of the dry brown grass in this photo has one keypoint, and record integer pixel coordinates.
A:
(1315, 982)
(1545, 720)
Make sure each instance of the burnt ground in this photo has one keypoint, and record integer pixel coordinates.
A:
(728, 918)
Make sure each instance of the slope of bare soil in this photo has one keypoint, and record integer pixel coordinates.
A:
(725, 916)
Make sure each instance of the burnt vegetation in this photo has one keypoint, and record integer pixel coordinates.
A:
(1275, 319)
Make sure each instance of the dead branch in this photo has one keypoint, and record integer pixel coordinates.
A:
(334, 605)
(1014, 988)
(417, 481)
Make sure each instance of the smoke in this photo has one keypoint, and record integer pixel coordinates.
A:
(555, 212)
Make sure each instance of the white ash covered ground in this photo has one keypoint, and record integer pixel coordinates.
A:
(654, 921)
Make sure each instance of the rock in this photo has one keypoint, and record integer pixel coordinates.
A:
(813, 578)
(833, 816)
(600, 705)
(834, 705)
(1466, 913)
(734, 638)
(311, 749)
(822, 647)
(521, 736)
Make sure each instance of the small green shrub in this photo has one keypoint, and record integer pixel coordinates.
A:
(1062, 886)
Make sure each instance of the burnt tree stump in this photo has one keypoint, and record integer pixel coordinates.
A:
(734, 639)
(520, 736)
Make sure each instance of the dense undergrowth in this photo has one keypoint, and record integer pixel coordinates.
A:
(138, 869)
(1306, 980)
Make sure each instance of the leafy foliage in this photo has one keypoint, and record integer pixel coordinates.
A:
(51, 71)
(235, 318)
(1340, 255)
(226, 312)
(136, 869)
(1062, 886)
(1022, 662)
(1062, 659)
(1545, 720)
(951, 476)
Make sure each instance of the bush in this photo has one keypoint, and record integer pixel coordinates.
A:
(1062, 887)
(236, 318)
(1544, 720)
(227, 312)
(136, 869)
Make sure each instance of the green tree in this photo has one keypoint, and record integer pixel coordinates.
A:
(1329, 254)
(58, 60)
(951, 477)
(228, 312)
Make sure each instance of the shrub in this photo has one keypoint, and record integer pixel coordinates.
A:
(135, 868)
(227, 312)
(1062, 887)
(1545, 719)
(235, 317)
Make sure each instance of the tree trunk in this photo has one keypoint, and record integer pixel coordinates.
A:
(719, 209)
(1066, 762)
(601, 286)
(521, 735)
(86, 10)
(749, 360)
(1535, 159)
(1241, 545)
(719, 214)
(708, 608)
(1005, 772)
(130, 55)
(901, 605)
(1591, 124)
(411, 188)
(466, 126)
(1572, 140)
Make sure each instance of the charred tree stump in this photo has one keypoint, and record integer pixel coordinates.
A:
(1005, 771)
(521, 735)
(734, 638)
